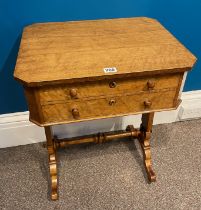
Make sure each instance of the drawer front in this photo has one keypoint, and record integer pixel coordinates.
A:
(97, 89)
(79, 110)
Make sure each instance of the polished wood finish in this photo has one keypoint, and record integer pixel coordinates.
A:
(58, 104)
(85, 70)
(99, 138)
(52, 162)
(95, 89)
(144, 139)
(81, 110)
(79, 51)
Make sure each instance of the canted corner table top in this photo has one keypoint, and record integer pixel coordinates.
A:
(86, 70)
(76, 50)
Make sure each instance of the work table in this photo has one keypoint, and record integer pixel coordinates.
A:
(84, 70)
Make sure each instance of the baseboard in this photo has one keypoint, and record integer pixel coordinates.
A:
(15, 128)
(191, 105)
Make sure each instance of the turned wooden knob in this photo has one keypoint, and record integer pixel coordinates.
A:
(112, 84)
(73, 93)
(150, 84)
(75, 113)
(147, 103)
(112, 102)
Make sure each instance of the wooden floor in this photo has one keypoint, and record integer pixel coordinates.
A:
(108, 176)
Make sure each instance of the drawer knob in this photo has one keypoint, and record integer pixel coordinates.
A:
(75, 113)
(147, 103)
(150, 84)
(112, 84)
(112, 102)
(73, 93)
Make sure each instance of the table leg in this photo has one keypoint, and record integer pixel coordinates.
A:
(52, 162)
(144, 139)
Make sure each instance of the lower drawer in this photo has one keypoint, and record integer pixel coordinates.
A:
(80, 110)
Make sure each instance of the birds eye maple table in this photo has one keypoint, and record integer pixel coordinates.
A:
(84, 70)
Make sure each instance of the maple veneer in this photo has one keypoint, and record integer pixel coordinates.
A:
(84, 70)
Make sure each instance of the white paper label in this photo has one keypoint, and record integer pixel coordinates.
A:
(110, 70)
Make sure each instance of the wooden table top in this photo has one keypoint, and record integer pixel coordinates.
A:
(81, 50)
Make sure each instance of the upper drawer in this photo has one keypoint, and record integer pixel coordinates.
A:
(106, 88)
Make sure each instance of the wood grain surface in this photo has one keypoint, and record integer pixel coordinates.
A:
(61, 66)
(80, 50)
(95, 108)
(53, 104)
(55, 93)
(89, 109)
